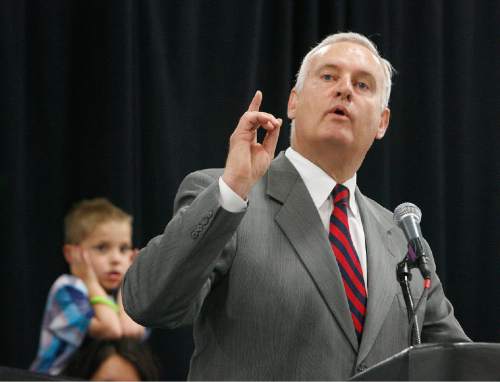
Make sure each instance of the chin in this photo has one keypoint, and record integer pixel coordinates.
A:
(111, 287)
(337, 139)
(336, 130)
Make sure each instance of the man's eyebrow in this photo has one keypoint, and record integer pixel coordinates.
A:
(327, 66)
(366, 73)
(359, 72)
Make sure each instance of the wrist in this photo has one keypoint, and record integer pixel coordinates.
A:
(104, 300)
(94, 288)
(238, 185)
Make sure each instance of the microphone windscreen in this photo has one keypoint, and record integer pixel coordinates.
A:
(406, 209)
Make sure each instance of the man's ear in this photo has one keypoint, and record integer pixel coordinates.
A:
(68, 252)
(292, 104)
(384, 123)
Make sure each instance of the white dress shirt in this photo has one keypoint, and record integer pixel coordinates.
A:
(320, 185)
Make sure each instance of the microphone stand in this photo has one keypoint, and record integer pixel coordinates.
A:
(404, 277)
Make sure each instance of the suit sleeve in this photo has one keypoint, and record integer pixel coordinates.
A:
(168, 281)
(440, 324)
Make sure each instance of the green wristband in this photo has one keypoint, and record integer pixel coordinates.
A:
(104, 300)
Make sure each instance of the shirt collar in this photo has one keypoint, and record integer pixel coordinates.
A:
(318, 182)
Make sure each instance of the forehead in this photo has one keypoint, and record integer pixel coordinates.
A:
(347, 55)
(111, 230)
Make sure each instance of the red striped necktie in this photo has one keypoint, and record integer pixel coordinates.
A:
(347, 258)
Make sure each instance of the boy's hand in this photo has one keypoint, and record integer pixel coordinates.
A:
(81, 266)
(130, 328)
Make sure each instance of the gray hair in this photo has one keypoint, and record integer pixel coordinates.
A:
(387, 68)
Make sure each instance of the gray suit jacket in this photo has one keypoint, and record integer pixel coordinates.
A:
(263, 289)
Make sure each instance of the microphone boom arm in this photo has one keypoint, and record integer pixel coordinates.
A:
(404, 277)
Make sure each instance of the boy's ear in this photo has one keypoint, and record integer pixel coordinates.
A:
(68, 252)
(135, 253)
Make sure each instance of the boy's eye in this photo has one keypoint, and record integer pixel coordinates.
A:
(101, 247)
(125, 249)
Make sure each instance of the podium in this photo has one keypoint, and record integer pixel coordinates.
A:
(465, 361)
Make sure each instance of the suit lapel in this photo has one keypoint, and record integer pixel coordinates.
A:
(382, 283)
(300, 222)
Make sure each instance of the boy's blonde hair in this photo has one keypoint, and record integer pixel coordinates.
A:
(84, 217)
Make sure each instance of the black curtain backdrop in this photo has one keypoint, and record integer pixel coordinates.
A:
(123, 98)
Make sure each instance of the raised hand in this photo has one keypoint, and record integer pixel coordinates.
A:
(80, 265)
(248, 160)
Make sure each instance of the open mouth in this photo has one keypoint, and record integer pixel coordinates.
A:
(340, 111)
(114, 276)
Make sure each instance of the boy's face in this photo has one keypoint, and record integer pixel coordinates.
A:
(110, 252)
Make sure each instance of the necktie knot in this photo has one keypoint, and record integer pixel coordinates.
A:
(340, 194)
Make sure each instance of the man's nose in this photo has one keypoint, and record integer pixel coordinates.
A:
(343, 88)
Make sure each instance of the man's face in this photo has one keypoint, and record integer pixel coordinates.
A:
(340, 104)
(110, 252)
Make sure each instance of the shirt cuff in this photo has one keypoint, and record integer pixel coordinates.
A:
(230, 200)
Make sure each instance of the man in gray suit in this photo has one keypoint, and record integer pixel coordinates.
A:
(251, 256)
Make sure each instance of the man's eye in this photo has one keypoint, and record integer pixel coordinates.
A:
(362, 85)
(327, 77)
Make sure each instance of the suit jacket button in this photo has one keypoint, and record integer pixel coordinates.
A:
(361, 368)
(194, 234)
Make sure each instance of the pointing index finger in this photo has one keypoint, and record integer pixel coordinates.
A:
(256, 101)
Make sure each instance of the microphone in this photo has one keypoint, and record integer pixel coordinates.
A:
(407, 216)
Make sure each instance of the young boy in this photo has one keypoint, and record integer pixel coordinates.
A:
(98, 249)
